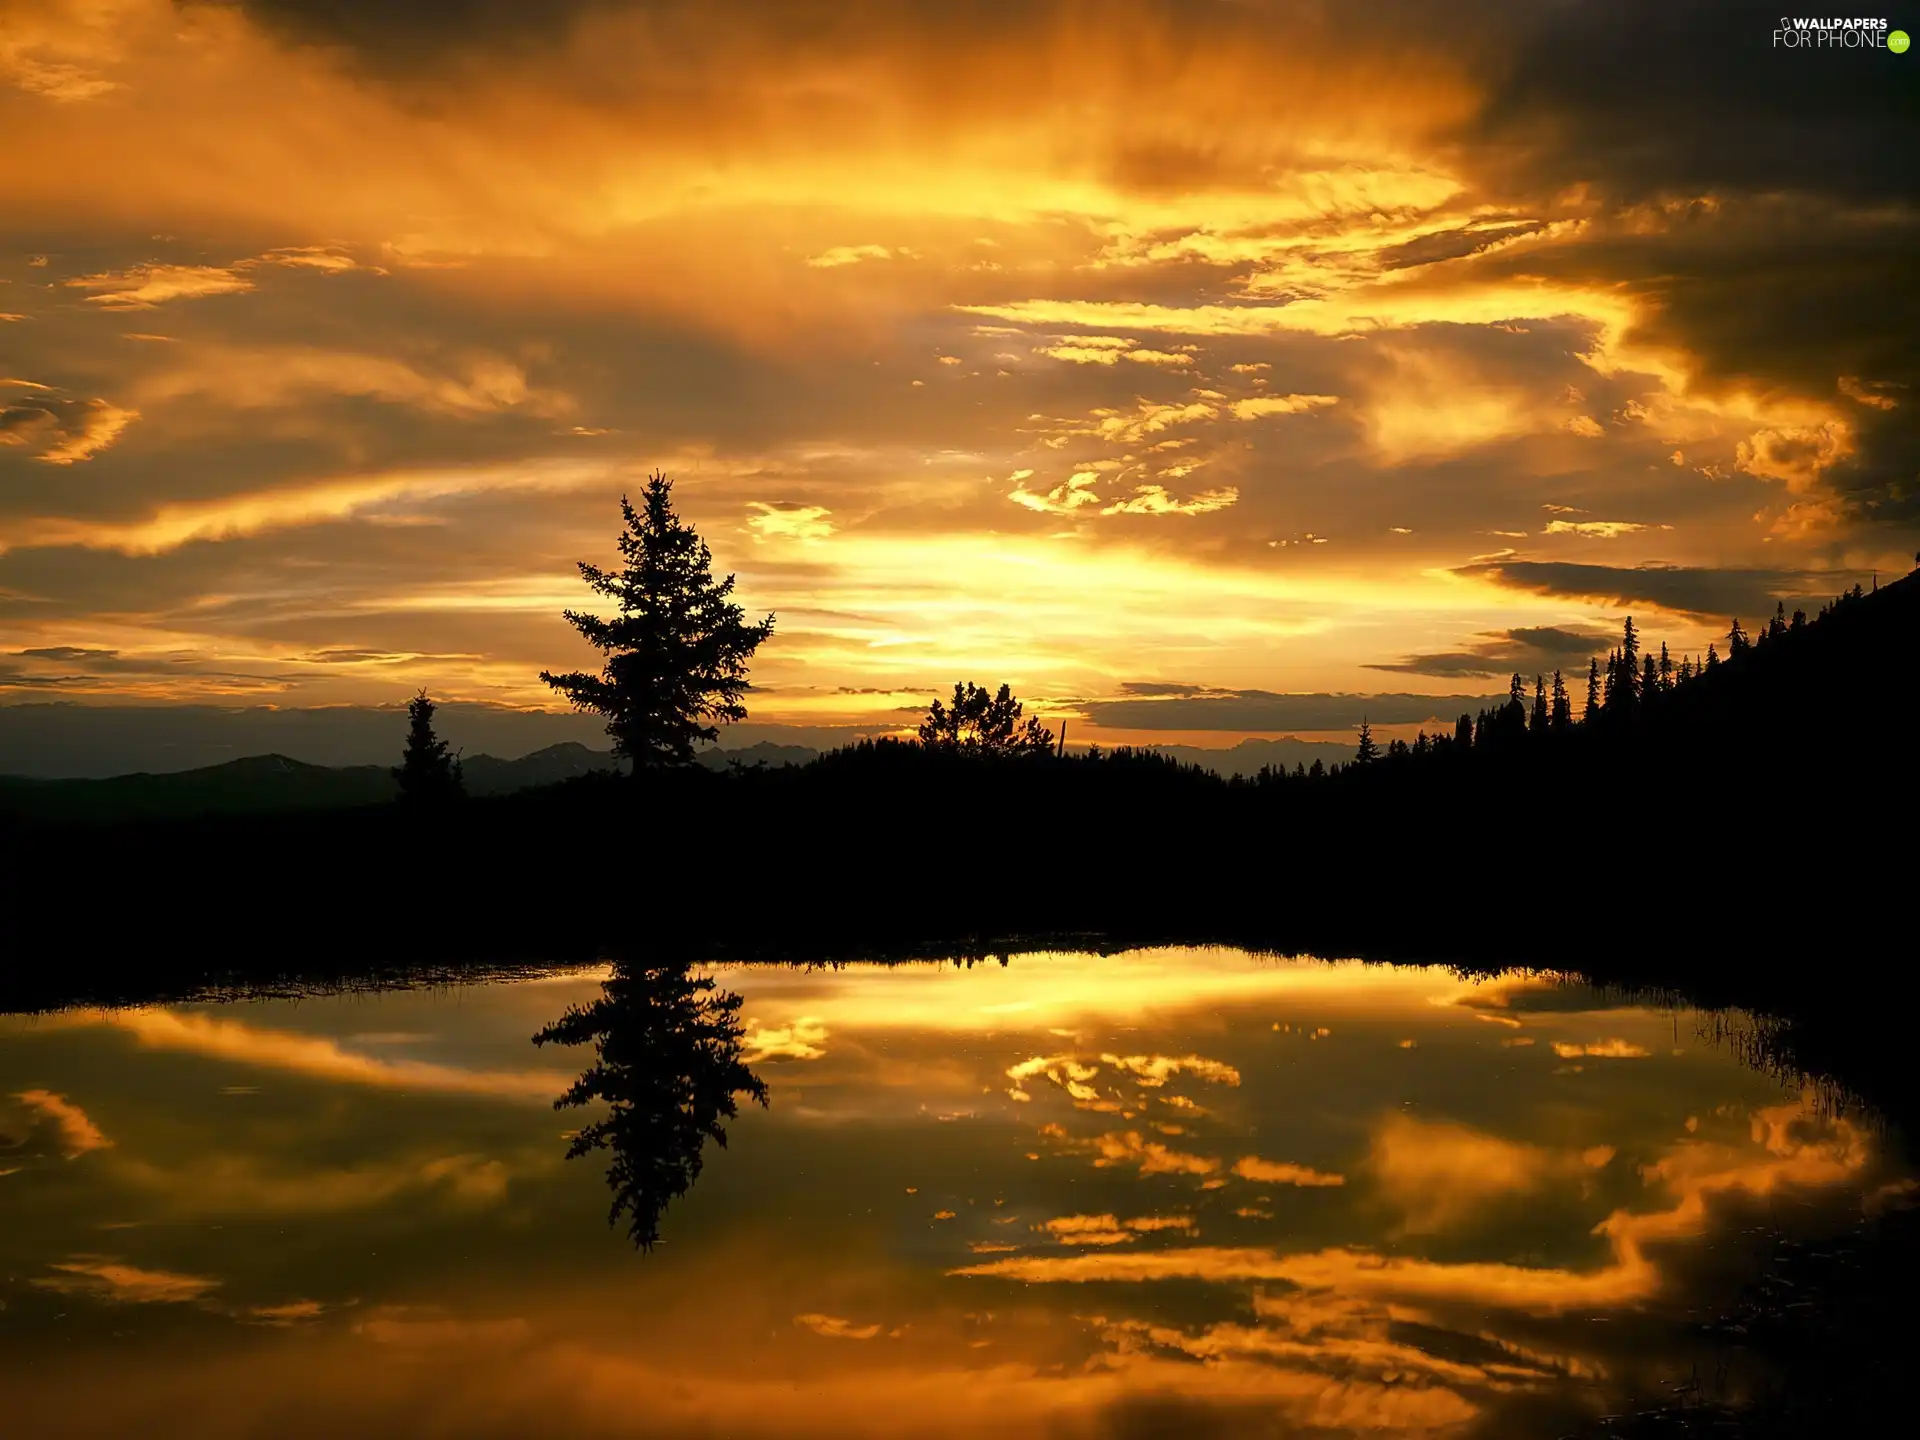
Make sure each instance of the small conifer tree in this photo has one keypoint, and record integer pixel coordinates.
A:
(1367, 752)
(980, 723)
(427, 773)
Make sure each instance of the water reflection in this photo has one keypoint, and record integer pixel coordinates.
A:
(1164, 1192)
(668, 1069)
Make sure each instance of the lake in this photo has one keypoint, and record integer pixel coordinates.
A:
(1180, 1192)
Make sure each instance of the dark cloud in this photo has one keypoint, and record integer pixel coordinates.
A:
(82, 665)
(404, 35)
(1690, 590)
(1263, 710)
(1653, 97)
(1453, 244)
(1529, 650)
(67, 652)
(1781, 215)
(1155, 689)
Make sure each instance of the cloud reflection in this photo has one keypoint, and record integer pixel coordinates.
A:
(319, 1058)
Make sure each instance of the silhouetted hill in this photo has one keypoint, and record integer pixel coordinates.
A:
(487, 775)
(1248, 756)
(261, 784)
(761, 752)
(257, 784)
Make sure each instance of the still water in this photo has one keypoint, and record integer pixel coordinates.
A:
(1164, 1192)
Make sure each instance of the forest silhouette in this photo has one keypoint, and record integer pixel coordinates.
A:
(1696, 820)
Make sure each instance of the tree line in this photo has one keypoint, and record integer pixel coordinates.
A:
(678, 649)
(1632, 686)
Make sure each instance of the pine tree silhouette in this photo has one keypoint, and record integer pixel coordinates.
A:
(427, 772)
(669, 1067)
(677, 651)
(981, 724)
(1626, 686)
(1367, 752)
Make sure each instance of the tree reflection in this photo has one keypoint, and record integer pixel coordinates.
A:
(669, 1067)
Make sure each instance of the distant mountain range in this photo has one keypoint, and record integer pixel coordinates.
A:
(264, 783)
(261, 783)
(1249, 756)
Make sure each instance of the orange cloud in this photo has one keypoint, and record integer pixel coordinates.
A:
(834, 1328)
(1269, 1172)
(1440, 1174)
(321, 1059)
(78, 1134)
(1800, 1148)
(145, 286)
(1106, 1230)
(1611, 1049)
(104, 1278)
(1152, 1158)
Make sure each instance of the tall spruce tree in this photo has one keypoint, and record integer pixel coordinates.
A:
(1627, 688)
(1366, 752)
(1592, 712)
(1537, 722)
(677, 650)
(1560, 717)
(427, 773)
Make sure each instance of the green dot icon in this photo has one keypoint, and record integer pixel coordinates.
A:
(1897, 41)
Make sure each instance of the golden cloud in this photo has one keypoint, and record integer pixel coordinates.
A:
(1271, 1172)
(835, 1328)
(796, 522)
(1610, 1049)
(803, 1038)
(78, 1134)
(322, 1059)
(1107, 1230)
(1151, 1157)
(113, 1281)
(1440, 1174)
(145, 286)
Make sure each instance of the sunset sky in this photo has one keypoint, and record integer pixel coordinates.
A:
(1140, 355)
